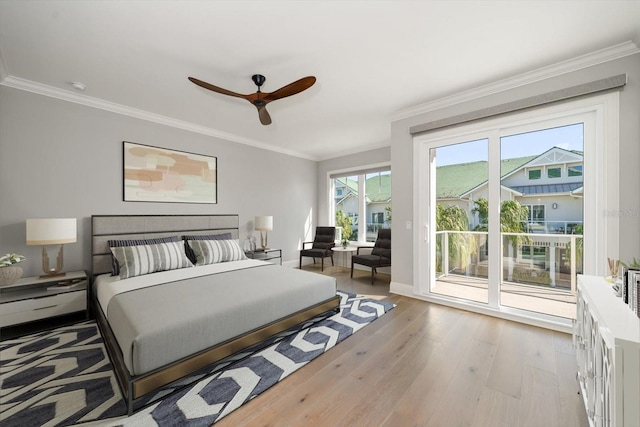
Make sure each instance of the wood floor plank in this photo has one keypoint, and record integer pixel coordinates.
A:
(564, 343)
(496, 409)
(489, 329)
(459, 401)
(572, 409)
(539, 349)
(540, 399)
(506, 371)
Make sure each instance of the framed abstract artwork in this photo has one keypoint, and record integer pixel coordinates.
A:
(152, 174)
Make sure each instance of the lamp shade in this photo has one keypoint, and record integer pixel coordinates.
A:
(264, 223)
(51, 231)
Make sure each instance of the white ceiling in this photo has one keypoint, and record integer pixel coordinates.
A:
(372, 59)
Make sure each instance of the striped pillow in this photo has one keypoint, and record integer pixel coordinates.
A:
(189, 251)
(215, 251)
(145, 259)
(115, 267)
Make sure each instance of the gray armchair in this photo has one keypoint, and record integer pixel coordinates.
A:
(321, 246)
(380, 255)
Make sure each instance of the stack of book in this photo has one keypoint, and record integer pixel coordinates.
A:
(631, 289)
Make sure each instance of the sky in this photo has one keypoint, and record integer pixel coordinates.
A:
(526, 144)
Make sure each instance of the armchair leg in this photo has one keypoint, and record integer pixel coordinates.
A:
(332, 258)
(372, 272)
(300, 262)
(322, 264)
(352, 269)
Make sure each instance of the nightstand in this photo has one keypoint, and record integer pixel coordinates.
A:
(269, 255)
(35, 298)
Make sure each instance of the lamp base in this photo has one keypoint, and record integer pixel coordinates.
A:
(48, 271)
(263, 240)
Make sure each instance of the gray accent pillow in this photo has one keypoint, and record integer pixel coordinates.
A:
(189, 251)
(215, 251)
(146, 259)
(115, 267)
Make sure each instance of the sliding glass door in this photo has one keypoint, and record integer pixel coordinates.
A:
(504, 213)
(460, 253)
(541, 218)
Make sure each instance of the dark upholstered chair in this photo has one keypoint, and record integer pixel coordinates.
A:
(380, 255)
(321, 245)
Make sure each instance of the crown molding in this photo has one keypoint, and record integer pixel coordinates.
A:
(584, 61)
(88, 101)
(355, 150)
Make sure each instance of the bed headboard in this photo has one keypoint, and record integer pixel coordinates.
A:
(128, 227)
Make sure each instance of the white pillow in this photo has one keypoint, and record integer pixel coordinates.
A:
(215, 251)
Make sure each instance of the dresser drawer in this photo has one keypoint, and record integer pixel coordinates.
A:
(28, 310)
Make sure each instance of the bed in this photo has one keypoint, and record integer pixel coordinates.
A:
(160, 326)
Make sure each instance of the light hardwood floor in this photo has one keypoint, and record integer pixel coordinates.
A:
(424, 364)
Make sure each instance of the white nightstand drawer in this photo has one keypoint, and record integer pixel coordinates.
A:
(40, 308)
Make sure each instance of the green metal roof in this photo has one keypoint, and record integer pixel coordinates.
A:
(378, 187)
(452, 181)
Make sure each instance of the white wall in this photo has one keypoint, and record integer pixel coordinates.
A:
(60, 159)
(629, 170)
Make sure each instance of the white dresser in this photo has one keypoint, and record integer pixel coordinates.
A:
(606, 336)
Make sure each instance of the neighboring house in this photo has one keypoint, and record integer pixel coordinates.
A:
(549, 184)
(378, 199)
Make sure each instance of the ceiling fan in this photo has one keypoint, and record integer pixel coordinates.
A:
(261, 99)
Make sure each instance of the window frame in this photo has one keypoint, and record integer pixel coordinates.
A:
(569, 168)
(559, 169)
(529, 171)
(361, 172)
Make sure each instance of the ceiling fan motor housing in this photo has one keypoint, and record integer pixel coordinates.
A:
(258, 79)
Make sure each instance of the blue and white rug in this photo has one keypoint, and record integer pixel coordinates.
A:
(63, 377)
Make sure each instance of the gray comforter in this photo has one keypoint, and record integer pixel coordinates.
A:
(160, 324)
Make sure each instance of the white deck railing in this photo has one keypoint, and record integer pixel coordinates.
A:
(526, 264)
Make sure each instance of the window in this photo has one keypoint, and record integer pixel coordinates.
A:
(535, 174)
(362, 194)
(575, 170)
(377, 217)
(554, 172)
(536, 212)
(377, 198)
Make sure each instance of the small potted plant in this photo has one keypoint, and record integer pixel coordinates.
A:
(9, 272)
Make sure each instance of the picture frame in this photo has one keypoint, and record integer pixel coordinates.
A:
(154, 174)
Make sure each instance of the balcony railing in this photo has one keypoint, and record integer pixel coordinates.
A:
(552, 227)
(551, 260)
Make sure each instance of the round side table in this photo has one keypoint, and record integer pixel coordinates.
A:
(345, 252)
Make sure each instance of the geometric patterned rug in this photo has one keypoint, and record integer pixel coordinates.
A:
(63, 377)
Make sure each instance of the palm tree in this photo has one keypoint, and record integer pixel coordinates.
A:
(343, 220)
(512, 218)
(461, 246)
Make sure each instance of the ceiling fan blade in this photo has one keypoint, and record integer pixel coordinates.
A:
(290, 89)
(265, 118)
(217, 89)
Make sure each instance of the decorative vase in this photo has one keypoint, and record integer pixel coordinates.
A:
(345, 244)
(9, 275)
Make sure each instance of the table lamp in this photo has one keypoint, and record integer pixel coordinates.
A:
(51, 231)
(263, 224)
